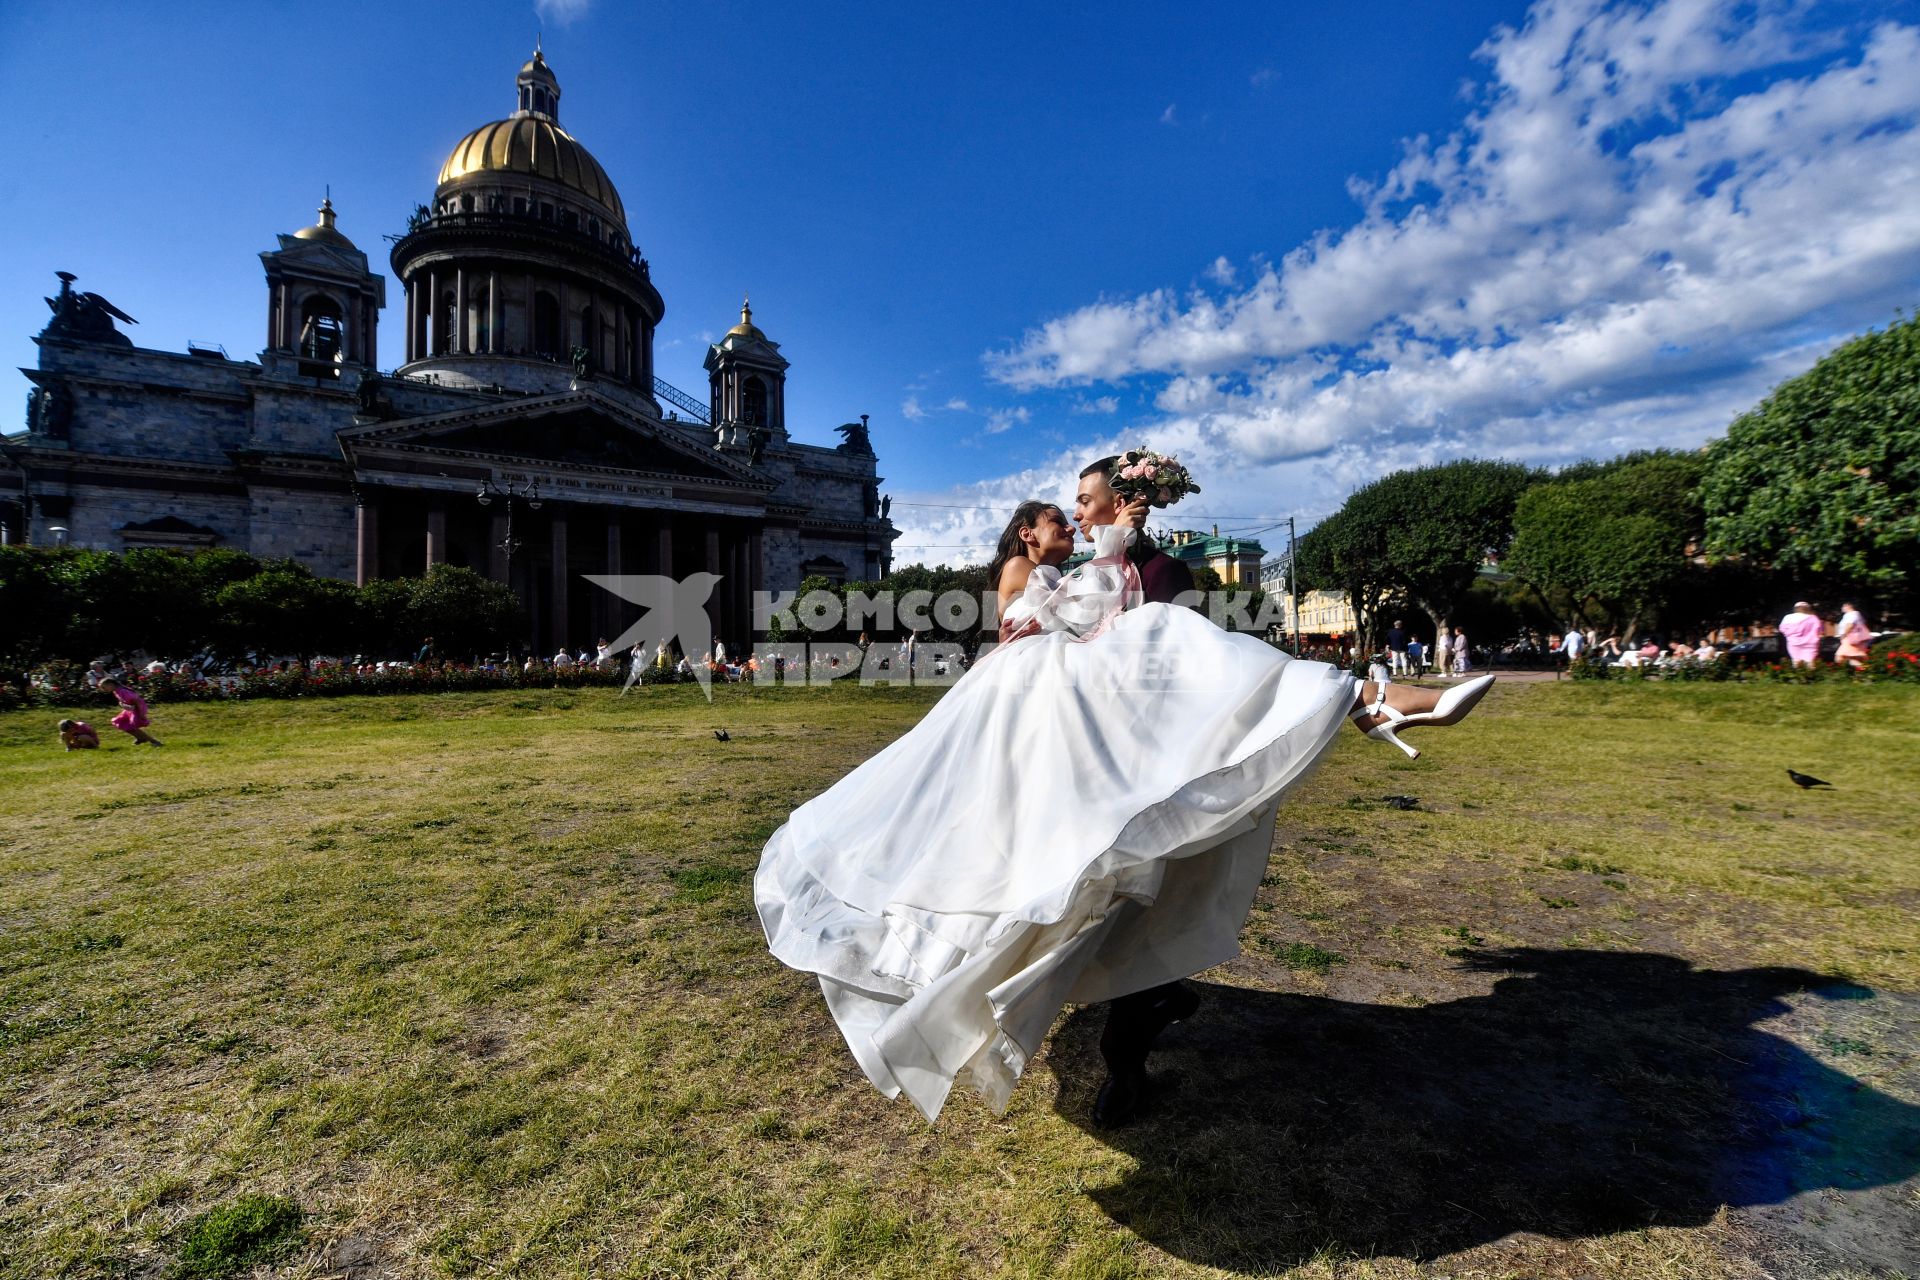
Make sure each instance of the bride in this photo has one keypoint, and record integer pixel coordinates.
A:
(1085, 815)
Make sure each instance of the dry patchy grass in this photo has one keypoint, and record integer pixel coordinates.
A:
(475, 981)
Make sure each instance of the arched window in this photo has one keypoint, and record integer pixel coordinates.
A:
(546, 325)
(322, 332)
(753, 402)
(588, 334)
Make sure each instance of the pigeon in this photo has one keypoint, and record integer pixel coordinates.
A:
(721, 735)
(1401, 802)
(1806, 780)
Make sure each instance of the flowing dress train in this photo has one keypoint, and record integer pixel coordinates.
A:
(1084, 814)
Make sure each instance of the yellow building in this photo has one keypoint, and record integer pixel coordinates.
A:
(1236, 560)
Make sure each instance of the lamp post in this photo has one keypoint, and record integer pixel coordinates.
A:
(528, 493)
(1293, 583)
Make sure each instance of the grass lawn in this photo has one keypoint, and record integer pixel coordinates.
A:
(474, 981)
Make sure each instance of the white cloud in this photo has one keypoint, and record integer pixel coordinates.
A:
(1098, 404)
(1222, 272)
(910, 409)
(959, 406)
(999, 420)
(1263, 77)
(1653, 213)
(1169, 116)
(561, 13)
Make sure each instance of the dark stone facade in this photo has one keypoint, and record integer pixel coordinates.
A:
(528, 323)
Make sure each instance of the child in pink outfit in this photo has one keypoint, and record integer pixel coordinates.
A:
(133, 712)
(78, 735)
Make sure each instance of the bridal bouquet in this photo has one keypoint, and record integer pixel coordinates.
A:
(1157, 477)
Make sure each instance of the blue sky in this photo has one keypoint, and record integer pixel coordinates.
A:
(1300, 244)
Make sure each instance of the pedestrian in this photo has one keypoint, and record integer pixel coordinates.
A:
(1800, 630)
(132, 718)
(1397, 647)
(1416, 655)
(1854, 635)
(425, 655)
(1572, 645)
(78, 735)
(1462, 663)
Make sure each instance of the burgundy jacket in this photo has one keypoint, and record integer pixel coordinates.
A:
(1162, 577)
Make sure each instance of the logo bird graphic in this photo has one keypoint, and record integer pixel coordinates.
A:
(675, 609)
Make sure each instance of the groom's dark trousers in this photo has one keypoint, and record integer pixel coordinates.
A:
(1135, 1021)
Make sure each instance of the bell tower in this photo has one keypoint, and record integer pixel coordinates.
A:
(323, 301)
(747, 387)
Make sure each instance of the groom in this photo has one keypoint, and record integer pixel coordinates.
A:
(1134, 1021)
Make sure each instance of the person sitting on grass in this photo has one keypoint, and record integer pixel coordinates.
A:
(78, 735)
(133, 712)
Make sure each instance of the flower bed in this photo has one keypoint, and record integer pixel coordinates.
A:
(1881, 666)
(64, 685)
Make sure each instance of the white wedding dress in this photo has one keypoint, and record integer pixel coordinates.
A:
(1086, 813)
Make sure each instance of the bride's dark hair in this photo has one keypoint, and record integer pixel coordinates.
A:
(1011, 548)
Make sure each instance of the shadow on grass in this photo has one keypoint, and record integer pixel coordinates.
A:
(1588, 1093)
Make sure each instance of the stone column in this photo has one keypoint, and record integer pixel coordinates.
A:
(740, 593)
(459, 344)
(717, 602)
(436, 536)
(609, 605)
(494, 345)
(273, 317)
(366, 520)
(526, 317)
(561, 580)
(287, 335)
(756, 575)
(433, 340)
(663, 563)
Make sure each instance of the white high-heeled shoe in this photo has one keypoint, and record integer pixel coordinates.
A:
(1451, 709)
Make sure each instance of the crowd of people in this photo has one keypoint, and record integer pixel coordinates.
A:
(1801, 632)
(1449, 655)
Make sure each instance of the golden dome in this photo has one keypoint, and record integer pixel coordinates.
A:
(323, 231)
(746, 328)
(530, 145)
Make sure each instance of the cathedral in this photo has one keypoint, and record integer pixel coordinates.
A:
(524, 433)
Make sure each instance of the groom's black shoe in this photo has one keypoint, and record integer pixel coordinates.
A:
(1120, 1099)
(1133, 1024)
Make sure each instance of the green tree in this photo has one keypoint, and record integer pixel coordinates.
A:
(1614, 544)
(1419, 536)
(285, 609)
(1344, 553)
(465, 612)
(1441, 524)
(36, 607)
(1821, 477)
(1206, 578)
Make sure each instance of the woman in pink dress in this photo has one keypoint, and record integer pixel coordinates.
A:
(1801, 631)
(1854, 635)
(133, 711)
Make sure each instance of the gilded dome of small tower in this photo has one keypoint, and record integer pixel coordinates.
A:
(746, 328)
(323, 231)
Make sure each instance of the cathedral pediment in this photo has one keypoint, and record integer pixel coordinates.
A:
(576, 430)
